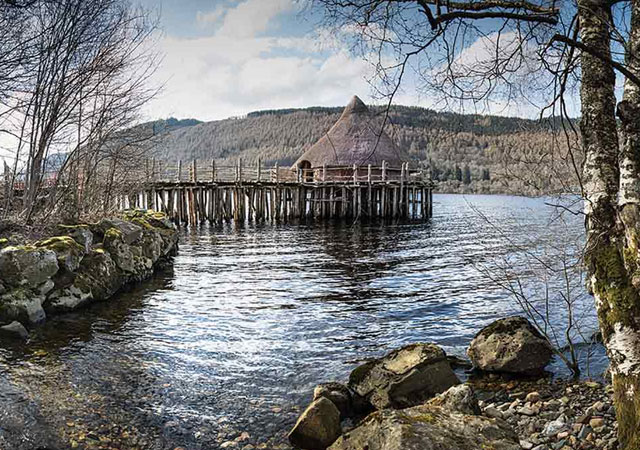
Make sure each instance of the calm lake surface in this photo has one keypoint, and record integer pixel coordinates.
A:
(230, 343)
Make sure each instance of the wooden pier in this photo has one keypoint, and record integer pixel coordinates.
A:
(200, 192)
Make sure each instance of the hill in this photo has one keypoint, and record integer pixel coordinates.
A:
(465, 153)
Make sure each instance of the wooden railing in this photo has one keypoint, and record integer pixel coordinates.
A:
(209, 171)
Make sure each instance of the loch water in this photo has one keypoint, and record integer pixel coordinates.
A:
(229, 343)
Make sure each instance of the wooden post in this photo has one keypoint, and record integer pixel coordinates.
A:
(384, 170)
(401, 203)
(259, 170)
(195, 171)
(277, 175)
(369, 198)
(179, 170)
(355, 174)
(213, 170)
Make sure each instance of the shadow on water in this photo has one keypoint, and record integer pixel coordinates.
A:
(230, 343)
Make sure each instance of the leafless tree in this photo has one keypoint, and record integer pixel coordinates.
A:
(546, 279)
(540, 52)
(86, 83)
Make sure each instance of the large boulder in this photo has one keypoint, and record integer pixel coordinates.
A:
(97, 278)
(26, 266)
(157, 227)
(23, 305)
(129, 258)
(510, 345)
(129, 232)
(68, 252)
(67, 299)
(428, 427)
(405, 377)
(79, 233)
(318, 426)
(99, 274)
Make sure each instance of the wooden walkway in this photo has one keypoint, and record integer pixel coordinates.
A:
(201, 192)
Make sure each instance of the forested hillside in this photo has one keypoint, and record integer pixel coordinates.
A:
(465, 153)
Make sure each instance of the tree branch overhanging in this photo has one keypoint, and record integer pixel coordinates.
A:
(604, 58)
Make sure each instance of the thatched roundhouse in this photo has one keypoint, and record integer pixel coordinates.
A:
(355, 140)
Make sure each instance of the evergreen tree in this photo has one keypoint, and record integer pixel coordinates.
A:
(467, 175)
(458, 173)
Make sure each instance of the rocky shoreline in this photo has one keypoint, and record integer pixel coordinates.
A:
(411, 398)
(81, 264)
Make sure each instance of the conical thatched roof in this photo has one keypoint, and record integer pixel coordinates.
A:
(354, 139)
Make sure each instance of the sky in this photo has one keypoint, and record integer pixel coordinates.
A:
(224, 58)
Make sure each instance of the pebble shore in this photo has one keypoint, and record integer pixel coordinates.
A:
(553, 415)
(546, 414)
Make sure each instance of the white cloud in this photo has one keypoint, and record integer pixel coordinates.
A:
(238, 69)
(252, 17)
(205, 19)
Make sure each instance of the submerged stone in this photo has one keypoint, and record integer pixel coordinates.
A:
(15, 330)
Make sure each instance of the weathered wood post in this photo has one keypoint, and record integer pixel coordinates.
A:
(259, 170)
(369, 198)
(179, 171)
(213, 170)
(354, 207)
(277, 194)
(383, 191)
(401, 202)
(195, 171)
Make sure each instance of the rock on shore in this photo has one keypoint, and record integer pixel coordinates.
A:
(318, 426)
(405, 377)
(428, 427)
(511, 345)
(85, 263)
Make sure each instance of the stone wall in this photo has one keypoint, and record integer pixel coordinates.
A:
(83, 264)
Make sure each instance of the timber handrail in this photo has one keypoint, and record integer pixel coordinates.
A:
(210, 171)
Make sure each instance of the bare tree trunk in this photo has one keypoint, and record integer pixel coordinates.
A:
(612, 232)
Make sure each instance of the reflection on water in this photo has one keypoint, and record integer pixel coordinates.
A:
(236, 336)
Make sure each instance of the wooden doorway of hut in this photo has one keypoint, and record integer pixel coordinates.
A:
(304, 167)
